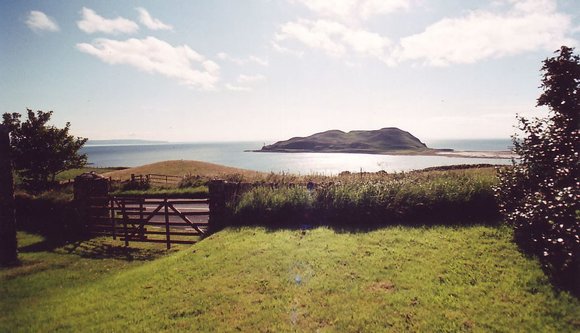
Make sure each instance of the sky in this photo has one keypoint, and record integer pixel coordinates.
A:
(268, 70)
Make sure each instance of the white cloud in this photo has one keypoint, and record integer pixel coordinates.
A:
(227, 57)
(244, 82)
(150, 22)
(284, 50)
(378, 7)
(237, 88)
(156, 56)
(336, 32)
(534, 6)
(352, 9)
(251, 78)
(38, 21)
(333, 38)
(529, 25)
(91, 22)
(243, 61)
(258, 61)
(506, 28)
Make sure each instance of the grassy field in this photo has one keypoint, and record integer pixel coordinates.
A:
(72, 173)
(182, 168)
(444, 279)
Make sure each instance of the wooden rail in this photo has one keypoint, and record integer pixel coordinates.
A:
(157, 179)
(146, 219)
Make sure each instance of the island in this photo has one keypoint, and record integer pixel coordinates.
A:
(389, 140)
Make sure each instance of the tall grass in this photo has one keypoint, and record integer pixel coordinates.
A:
(189, 192)
(434, 197)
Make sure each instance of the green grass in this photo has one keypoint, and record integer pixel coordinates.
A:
(443, 197)
(445, 279)
(72, 173)
(183, 168)
(198, 192)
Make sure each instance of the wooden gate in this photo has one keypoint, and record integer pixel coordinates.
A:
(149, 219)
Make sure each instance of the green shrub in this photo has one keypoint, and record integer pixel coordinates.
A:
(52, 214)
(272, 206)
(139, 184)
(539, 195)
(190, 180)
(443, 197)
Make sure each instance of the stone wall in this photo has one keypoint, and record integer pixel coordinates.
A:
(90, 190)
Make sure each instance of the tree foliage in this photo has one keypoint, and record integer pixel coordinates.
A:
(40, 151)
(539, 195)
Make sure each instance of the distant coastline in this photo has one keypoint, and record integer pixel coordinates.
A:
(122, 142)
(479, 154)
(444, 152)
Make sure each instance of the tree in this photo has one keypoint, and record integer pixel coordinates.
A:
(41, 151)
(539, 194)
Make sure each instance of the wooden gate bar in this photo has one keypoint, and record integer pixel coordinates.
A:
(125, 223)
(183, 217)
(112, 216)
(167, 224)
(141, 226)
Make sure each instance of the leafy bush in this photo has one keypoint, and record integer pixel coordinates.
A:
(190, 180)
(138, 184)
(539, 195)
(52, 214)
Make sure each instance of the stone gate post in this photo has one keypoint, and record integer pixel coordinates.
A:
(8, 241)
(87, 187)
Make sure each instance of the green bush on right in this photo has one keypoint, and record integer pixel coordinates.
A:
(539, 194)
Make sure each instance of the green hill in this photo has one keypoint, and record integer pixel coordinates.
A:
(382, 141)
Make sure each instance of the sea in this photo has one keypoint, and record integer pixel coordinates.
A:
(239, 155)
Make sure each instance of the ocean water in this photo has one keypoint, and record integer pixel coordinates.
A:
(235, 154)
(472, 144)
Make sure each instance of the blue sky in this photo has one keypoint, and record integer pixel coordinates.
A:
(268, 70)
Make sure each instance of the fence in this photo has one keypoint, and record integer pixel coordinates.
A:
(156, 179)
(157, 218)
(149, 219)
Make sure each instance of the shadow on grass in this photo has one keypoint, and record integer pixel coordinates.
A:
(46, 245)
(99, 249)
(95, 248)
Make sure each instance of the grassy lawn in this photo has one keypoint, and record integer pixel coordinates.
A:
(251, 280)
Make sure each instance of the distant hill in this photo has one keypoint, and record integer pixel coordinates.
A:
(121, 142)
(382, 141)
